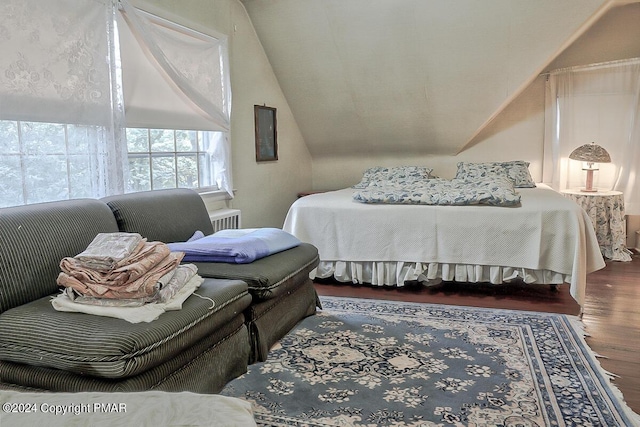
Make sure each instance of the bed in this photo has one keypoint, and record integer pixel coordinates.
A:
(544, 238)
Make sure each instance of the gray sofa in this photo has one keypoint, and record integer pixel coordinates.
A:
(194, 349)
(281, 290)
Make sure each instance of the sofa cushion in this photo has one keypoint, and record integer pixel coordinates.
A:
(223, 355)
(36, 334)
(267, 277)
(168, 216)
(34, 238)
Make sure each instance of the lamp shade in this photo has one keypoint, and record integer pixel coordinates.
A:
(592, 153)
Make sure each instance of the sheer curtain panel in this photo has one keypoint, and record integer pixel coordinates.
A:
(57, 66)
(185, 84)
(599, 103)
(74, 74)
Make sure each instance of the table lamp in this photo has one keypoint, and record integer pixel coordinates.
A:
(590, 155)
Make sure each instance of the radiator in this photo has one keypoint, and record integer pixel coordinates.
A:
(223, 219)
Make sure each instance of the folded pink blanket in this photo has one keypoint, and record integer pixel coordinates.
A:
(136, 276)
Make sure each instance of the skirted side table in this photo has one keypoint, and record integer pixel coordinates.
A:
(606, 210)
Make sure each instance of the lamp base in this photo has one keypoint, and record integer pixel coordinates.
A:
(589, 187)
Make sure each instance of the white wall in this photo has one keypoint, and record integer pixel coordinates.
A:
(516, 134)
(264, 190)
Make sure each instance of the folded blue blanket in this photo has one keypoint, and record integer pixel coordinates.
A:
(235, 246)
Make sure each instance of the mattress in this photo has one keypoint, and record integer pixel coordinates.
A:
(546, 239)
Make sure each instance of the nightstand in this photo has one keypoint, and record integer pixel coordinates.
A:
(606, 210)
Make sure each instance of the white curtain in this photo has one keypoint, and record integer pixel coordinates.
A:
(53, 70)
(60, 63)
(190, 64)
(598, 103)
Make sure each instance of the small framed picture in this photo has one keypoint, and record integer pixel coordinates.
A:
(266, 133)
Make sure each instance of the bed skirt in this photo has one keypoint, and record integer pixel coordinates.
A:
(397, 273)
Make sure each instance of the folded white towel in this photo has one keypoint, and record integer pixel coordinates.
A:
(145, 313)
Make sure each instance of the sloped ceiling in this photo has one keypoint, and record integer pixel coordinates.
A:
(409, 76)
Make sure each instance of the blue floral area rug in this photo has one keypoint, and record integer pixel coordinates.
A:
(361, 362)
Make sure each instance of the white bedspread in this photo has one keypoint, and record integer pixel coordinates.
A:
(546, 232)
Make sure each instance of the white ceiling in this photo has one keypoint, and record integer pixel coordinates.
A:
(409, 76)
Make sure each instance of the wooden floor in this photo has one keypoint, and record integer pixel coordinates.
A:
(611, 312)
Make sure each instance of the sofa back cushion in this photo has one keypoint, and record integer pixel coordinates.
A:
(168, 216)
(35, 238)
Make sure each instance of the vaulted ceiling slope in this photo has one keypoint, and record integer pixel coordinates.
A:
(408, 76)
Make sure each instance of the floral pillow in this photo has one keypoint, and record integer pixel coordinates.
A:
(379, 175)
(517, 171)
(494, 191)
(369, 175)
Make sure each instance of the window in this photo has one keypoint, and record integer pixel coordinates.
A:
(42, 162)
(155, 115)
(595, 103)
(161, 158)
